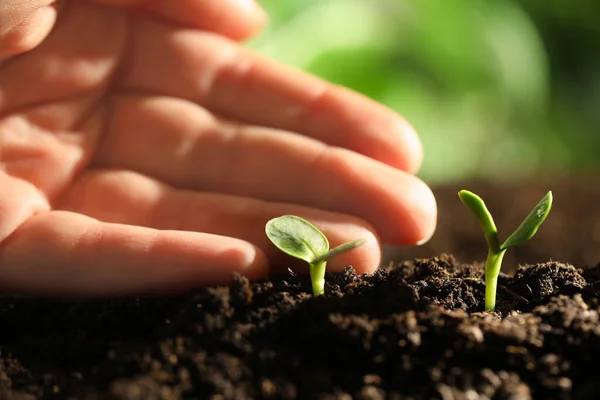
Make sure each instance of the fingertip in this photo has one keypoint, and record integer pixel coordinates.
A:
(400, 206)
(235, 19)
(419, 216)
(252, 19)
(399, 146)
(365, 258)
(412, 154)
(29, 33)
(240, 258)
(350, 120)
(249, 260)
(199, 259)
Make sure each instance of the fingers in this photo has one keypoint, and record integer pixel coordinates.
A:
(24, 24)
(62, 253)
(242, 86)
(237, 19)
(130, 198)
(175, 141)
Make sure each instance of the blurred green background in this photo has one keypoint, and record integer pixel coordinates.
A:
(496, 88)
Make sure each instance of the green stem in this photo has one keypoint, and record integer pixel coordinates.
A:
(317, 277)
(492, 270)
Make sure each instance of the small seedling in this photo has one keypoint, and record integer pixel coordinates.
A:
(496, 251)
(300, 239)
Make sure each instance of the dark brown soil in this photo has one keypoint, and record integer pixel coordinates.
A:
(413, 330)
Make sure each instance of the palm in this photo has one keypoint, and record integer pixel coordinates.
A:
(182, 142)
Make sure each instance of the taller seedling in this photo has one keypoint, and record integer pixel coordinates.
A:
(496, 251)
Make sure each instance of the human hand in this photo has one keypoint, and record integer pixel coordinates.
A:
(143, 150)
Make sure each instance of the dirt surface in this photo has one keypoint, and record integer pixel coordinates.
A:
(413, 330)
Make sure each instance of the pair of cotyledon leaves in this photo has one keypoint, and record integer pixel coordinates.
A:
(299, 238)
(523, 233)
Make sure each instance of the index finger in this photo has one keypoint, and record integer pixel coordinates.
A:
(241, 85)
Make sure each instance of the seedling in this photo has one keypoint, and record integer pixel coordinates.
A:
(300, 239)
(496, 251)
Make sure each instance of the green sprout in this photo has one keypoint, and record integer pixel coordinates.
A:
(300, 239)
(496, 251)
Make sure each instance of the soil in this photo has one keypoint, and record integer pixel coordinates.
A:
(413, 330)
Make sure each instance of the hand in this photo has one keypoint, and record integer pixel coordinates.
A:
(143, 150)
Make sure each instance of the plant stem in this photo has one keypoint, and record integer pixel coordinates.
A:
(492, 270)
(317, 277)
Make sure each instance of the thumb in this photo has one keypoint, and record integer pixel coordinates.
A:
(24, 24)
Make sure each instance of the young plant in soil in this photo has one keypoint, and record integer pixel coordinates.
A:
(300, 239)
(496, 251)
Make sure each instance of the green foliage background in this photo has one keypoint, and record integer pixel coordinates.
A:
(495, 88)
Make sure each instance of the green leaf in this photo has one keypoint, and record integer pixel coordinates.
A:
(478, 207)
(342, 248)
(530, 225)
(297, 237)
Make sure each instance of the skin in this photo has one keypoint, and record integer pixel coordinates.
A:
(143, 149)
